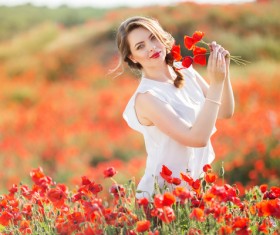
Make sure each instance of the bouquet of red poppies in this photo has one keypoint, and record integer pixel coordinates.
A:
(199, 53)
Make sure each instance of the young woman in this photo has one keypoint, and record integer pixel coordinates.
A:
(175, 110)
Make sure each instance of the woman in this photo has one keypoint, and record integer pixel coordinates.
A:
(175, 110)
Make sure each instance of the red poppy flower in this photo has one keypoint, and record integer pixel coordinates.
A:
(117, 190)
(189, 42)
(225, 230)
(199, 51)
(158, 201)
(26, 192)
(74, 221)
(175, 52)
(109, 172)
(197, 36)
(200, 59)
(142, 226)
(186, 178)
(166, 174)
(165, 170)
(263, 227)
(187, 61)
(263, 188)
(143, 201)
(85, 180)
(176, 181)
(167, 215)
(154, 233)
(13, 189)
(168, 199)
(210, 178)
(95, 188)
(181, 193)
(196, 184)
(269, 208)
(197, 214)
(131, 232)
(25, 227)
(58, 195)
(39, 178)
(5, 218)
(207, 168)
(240, 222)
(167, 178)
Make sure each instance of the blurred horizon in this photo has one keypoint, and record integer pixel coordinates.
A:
(112, 3)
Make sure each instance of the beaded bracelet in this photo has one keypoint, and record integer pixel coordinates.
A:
(213, 101)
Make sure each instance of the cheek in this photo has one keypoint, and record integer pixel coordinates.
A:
(141, 55)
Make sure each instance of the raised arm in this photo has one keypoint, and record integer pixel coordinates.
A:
(227, 103)
(168, 121)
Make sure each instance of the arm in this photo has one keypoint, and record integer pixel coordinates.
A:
(167, 120)
(227, 106)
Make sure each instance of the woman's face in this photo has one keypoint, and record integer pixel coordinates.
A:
(145, 48)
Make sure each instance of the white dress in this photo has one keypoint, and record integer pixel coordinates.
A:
(162, 149)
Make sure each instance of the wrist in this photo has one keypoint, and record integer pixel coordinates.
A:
(217, 83)
(215, 91)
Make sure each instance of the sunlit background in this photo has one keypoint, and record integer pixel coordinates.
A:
(61, 111)
(113, 3)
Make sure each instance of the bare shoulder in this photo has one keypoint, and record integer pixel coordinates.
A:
(145, 103)
(144, 100)
(152, 110)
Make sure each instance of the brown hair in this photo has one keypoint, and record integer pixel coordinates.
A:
(154, 27)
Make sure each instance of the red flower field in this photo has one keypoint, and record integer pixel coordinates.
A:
(61, 123)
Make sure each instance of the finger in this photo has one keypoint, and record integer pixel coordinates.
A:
(224, 53)
(227, 53)
(213, 43)
(219, 60)
(221, 49)
(223, 69)
(218, 48)
(210, 60)
(215, 53)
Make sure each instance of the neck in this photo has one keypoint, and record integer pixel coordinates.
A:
(164, 74)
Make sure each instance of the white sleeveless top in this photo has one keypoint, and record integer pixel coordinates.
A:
(162, 149)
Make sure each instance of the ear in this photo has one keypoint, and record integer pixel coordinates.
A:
(132, 59)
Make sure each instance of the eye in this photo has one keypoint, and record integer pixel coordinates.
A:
(153, 37)
(140, 47)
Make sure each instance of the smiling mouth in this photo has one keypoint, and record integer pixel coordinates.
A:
(156, 55)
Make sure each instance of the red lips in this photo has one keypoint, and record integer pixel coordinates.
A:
(155, 55)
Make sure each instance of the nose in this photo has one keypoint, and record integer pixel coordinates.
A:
(153, 47)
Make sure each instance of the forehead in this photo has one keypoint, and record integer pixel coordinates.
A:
(138, 35)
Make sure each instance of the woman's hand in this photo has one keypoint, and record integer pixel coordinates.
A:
(218, 63)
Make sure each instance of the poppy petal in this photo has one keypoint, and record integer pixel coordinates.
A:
(175, 52)
(197, 36)
(187, 61)
(200, 59)
(189, 42)
(199, 50)
(165, 170)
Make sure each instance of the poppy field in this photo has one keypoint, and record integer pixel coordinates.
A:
(70, 164)
(198, 207)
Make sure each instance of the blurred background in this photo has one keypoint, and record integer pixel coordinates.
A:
(60, 110)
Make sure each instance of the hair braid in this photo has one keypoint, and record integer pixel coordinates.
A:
(179, 81)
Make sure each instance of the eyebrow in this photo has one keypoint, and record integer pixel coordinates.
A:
(143, 41)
